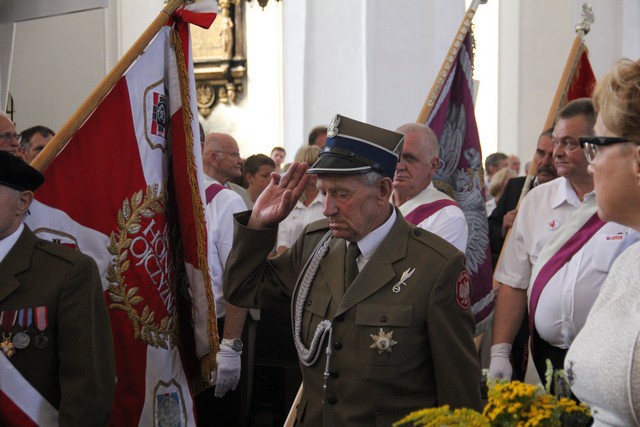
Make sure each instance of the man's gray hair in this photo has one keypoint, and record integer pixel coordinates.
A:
(371, 178)
(427, 135)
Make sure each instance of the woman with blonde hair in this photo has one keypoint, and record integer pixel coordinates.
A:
(497, 184)
(308, 208)
(603, 363)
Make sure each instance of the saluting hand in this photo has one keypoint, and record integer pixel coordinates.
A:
(280, 197)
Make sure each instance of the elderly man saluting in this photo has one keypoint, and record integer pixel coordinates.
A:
(381, 315)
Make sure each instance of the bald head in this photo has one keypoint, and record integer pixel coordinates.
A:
(418, 163)
(221, 157)
(8, 137)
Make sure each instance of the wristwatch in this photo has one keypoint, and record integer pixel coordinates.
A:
(235, 344)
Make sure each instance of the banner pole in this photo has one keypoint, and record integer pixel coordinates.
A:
(560, 96)
(60, 140)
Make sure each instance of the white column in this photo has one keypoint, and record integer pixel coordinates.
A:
(7, 36)
(57, 62)
(372, 61)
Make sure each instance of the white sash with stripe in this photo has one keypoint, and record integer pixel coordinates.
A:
(24, 396)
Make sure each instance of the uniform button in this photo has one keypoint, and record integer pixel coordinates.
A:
(334, 374)
(309, 302)
(340, 318)
(337, 345)
(383, 319)
(332, 400)
(416, 232)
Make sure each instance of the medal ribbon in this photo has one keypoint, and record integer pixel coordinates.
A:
(41, 318)
(8, 319)
(25, 318)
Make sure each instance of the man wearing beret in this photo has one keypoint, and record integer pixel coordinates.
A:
(56, 358)
(381, 316)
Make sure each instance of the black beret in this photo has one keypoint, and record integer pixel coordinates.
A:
(17, 174)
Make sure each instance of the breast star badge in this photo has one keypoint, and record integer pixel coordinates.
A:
(383, 341)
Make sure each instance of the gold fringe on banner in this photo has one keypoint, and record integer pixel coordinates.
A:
(208, 362)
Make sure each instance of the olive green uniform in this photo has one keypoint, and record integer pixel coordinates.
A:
(434, 361)
(75, 371)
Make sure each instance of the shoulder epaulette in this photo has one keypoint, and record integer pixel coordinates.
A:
(433, 241)
(60, 251)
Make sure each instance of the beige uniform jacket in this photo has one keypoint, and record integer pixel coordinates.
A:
(434, 361)
(75, 371)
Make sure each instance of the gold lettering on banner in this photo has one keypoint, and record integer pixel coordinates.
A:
(147, 248)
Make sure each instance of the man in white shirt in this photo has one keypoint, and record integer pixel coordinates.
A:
(222, 162)
(569, 293)
(414, 193)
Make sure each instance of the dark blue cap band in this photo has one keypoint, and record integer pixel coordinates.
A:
(378, 158)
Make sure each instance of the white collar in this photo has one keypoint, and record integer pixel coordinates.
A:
(8, 242)
(566, 193)
(208, 181)
(370, 243)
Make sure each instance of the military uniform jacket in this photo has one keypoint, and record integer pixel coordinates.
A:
(75, 371)
(434, 361)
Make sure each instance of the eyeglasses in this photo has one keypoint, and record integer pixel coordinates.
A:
(567, 144)
(591, 144)
(8, 137)
(234, 154)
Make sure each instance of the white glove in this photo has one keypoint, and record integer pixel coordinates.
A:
(500, 366)
(227, 376)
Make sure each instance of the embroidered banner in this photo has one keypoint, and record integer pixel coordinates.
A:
(127, 190)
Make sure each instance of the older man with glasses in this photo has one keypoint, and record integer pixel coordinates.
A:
(9, 139)
(557, 256)
(221, 163)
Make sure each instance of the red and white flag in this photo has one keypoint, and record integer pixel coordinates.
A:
(127, 190)
(577, 81)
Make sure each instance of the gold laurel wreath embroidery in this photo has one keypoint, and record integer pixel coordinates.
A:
(124, 298)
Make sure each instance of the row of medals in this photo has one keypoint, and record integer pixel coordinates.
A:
(20, 341)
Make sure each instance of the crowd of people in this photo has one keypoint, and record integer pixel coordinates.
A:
(354, 236)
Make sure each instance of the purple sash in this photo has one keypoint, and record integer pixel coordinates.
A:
(560, 258)
(423, 212)
(212, 191)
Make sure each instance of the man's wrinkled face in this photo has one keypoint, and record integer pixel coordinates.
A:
(228, 160)
(8, 137)
(350, 205)
(567, 154)
(13, 206)
(416, 166)
(545, 166)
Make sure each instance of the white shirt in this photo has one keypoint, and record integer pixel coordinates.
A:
(8, 242)
(370, 243)
(219, 217)
(291, 227)
(568, 296)
(448, 222)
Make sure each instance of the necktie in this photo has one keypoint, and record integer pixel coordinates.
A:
(351, 266)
